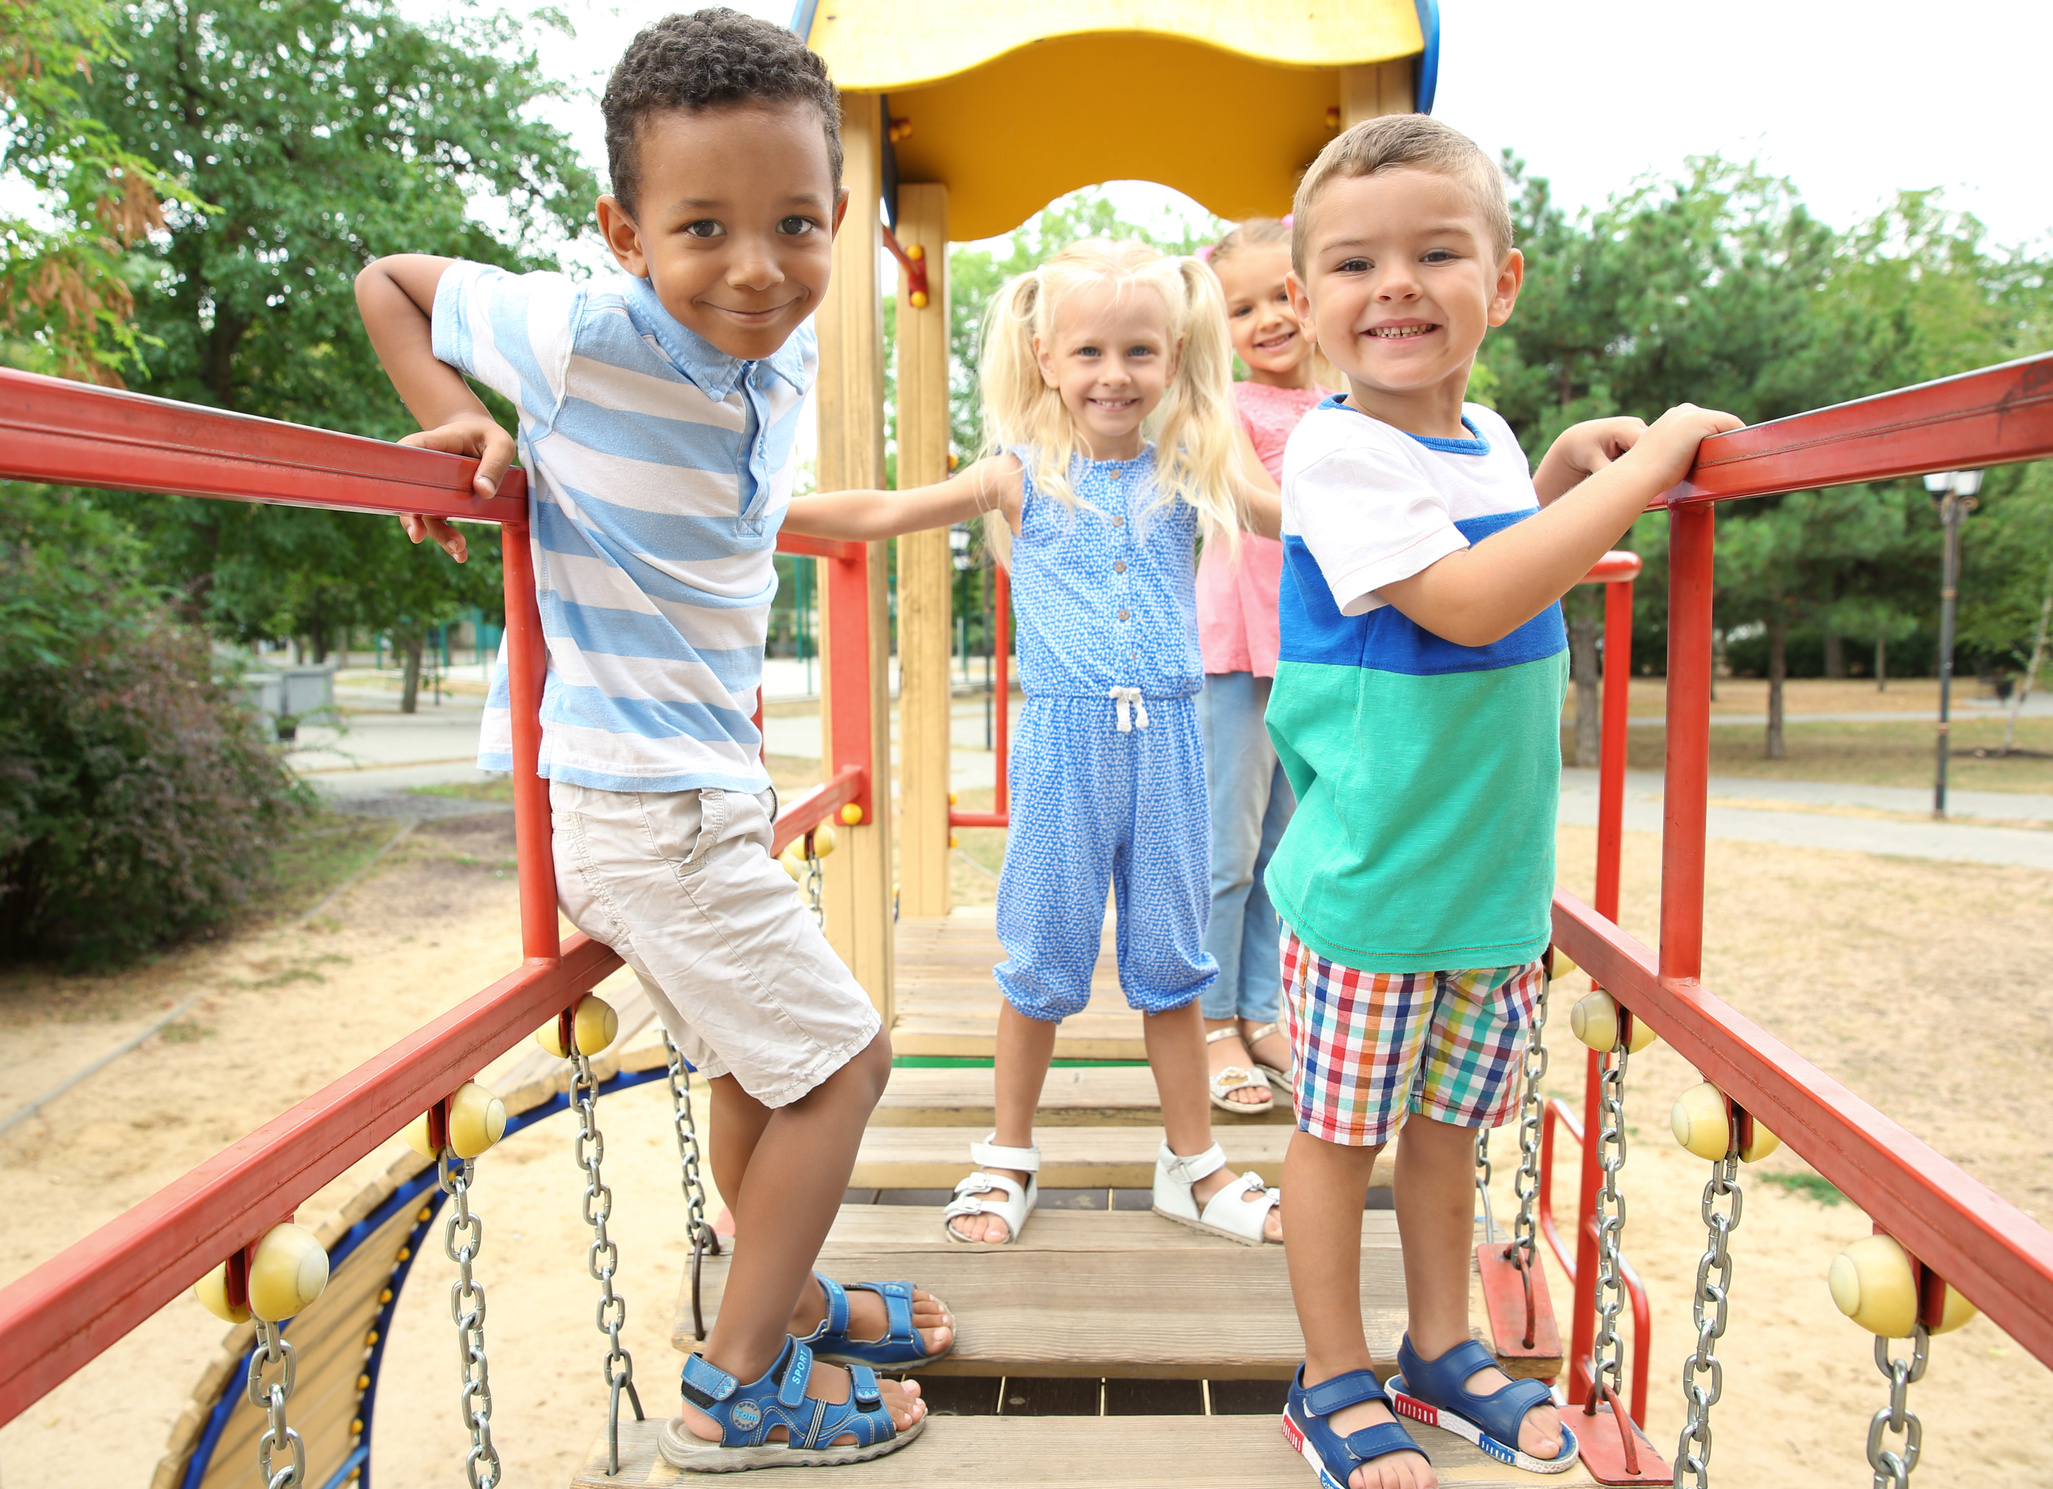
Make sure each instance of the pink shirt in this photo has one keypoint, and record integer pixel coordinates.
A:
(1237, 597)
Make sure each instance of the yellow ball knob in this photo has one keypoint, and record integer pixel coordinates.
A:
(1874, 1283)
(824, 839)
(212, 1292)
(287, 1273)
(915, 253)
(954, 841)
(594, 1024)
(917, 299)
(1702, 1123)
(851, 814)
(1594, 1020)
(477, 1119)
(1564, 963)
(951, 795)
(793, 859)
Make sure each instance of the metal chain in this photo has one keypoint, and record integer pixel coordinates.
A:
(1693, 1451)
(1892, 1469)
(603, 1256)
(271, 1349)
(704, 1240)
(1607, 1355)
(1526, 1183)
(466, 1234)
(812, 885)
(1483, 1175)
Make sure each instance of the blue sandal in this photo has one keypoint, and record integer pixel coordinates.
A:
(747, 1414)
(899, 1349)
(1436, 1392)
(1335, 1458)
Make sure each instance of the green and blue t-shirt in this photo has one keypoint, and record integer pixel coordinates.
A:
(1427, 773)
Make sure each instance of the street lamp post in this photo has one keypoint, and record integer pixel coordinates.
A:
(1954, 493)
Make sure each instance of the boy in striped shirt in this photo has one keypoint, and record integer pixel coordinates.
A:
(658, 410)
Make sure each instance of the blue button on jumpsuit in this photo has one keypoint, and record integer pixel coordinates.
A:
(1108, 771)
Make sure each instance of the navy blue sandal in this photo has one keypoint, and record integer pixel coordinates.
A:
(1436, 1392)
(747, 1414)
(1335, 1458)
(899, 1349)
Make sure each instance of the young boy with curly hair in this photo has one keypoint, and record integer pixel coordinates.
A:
(657, 412)
(1416, 710)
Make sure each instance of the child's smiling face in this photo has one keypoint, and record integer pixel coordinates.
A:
(1401, 281)
(734, 221)
(1265, 330)
(1110, 358)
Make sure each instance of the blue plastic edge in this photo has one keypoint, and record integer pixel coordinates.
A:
(359, 1459)
(1425, 80)
(802, 20)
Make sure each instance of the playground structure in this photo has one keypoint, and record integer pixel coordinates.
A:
(1099, 1270)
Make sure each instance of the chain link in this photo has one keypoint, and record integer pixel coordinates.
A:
(812, 885)
(271, 1349)
(603, 1256)
(1484, 1172)
(1607, 1354)
(1892, 1468)
(704, 1240)
(1526, 1183)
(465, 1235)
(1714, 1292)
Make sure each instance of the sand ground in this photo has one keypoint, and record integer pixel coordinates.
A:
(1923, 986)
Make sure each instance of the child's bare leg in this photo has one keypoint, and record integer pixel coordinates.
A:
(1436, 1223)
(738, 1123)
(1019, 1068)
(1176, 1055)
(793, 1177)
(1324, 1187)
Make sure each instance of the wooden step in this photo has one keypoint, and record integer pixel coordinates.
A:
(947, 1003)
(1074, 1096)
(1236, 1452)
(1096, 1293)
(1071, 1157)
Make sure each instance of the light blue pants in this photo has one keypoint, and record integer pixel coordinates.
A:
(1092, 806)
(1251, 803)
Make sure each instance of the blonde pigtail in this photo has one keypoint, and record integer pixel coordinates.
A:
(1198, 456)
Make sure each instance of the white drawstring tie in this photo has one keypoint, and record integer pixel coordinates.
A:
(1129, 709)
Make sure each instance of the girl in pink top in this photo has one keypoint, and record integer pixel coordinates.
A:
(1250, 798)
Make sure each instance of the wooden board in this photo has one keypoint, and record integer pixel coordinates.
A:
(947, 1003)
(1237, 1452)
(1071, 1157)
(1074, 1096)
(1094, 1293)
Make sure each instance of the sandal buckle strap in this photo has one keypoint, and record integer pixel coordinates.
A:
(837, 1306)
(798, 1370)
(1343, 1391)
(706, 1383)
(991, 1154)
(1196, 1166)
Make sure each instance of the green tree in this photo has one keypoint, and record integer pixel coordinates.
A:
(315, 137)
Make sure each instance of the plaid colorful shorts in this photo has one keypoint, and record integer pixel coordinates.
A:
(1373, 1047)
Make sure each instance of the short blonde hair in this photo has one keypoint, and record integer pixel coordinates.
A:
(1416, 142)
(1249, 233)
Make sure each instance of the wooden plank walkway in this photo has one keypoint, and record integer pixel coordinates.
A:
(1226, 1452)
(948, 1004)
(1074, 1096)
(1071, 1157)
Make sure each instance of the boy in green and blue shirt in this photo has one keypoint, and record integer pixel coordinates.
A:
(1416, 709)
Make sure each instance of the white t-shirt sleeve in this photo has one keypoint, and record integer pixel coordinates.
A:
(1370, 518)
(512, 332)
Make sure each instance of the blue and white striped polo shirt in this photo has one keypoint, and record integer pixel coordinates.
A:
(659, 469)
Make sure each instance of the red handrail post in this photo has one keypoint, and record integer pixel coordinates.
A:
(527, 667)
(1691, 545)
(844, 671)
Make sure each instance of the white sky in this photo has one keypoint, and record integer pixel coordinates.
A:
(1852, 99)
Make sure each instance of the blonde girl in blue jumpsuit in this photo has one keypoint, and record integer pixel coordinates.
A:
(1106, 379)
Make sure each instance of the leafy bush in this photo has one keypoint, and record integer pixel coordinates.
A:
(138, 801)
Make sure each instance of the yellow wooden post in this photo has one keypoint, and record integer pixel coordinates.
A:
(1375, 89)
(924, 567)
(857, 889)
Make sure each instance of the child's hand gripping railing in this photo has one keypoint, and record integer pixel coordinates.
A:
(1941, 1222)
(74, 1306)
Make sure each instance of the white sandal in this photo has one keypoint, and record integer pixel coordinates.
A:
(972, 1194)
(1227, 1214)
(1280, 1079)
(1231, 1078)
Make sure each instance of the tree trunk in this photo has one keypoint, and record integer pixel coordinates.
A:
(1881, 664)
(1719, 666)
(1835, 655)
(1778, 638)
(2031, 669)
(1583, 668)
(410, 683)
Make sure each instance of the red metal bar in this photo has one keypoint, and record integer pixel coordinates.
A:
(1684, 804)
(1991, 417)
(1611, 753)
(914, 262)
(527, 666)
(1000, 814)
(1999, 1257)
(1580, 1373)
(846, 672)
(804, 813)
(58, 1317)
(799, 543)
(79, 435)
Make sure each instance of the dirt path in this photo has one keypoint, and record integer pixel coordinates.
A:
(1923, 986)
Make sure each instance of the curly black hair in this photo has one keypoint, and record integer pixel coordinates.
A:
(703, 60)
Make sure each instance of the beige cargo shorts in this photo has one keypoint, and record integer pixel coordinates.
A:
(682, 885)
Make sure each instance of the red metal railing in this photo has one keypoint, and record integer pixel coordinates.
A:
(1000, 814)
(72, 1307)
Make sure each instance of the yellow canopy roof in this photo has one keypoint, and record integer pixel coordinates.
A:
(1012, 104)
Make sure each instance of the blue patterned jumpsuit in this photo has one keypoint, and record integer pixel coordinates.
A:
(1108, 772)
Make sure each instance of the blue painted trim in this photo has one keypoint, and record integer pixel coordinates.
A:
(1480, 445)
(1425, 77)
(802, 19)
(424, 1182)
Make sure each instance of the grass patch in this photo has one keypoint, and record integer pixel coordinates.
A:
(499, 790)
(1810, 1186)
(323, 851)
(1881, 753)
(185, 1031)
